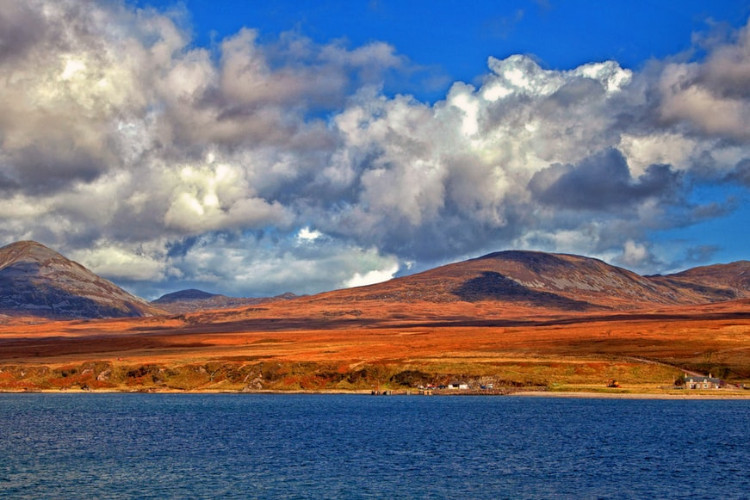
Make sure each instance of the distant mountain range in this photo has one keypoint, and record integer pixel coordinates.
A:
(36, 281)
(192, 300)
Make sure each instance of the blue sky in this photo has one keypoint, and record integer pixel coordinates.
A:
(454, 39)
(255, 148)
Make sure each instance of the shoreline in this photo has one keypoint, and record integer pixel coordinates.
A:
(628, 395)
(518, 394)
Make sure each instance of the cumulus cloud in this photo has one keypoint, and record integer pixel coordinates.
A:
(120, 263)
(635, 255)
(261, 167)
(713, 97)
(267, 265)
(600, 182)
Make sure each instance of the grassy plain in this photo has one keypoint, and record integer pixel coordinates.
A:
(313, 345)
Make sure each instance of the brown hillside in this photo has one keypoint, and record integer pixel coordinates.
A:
(543, 281)
(37, 281)
(717, 282)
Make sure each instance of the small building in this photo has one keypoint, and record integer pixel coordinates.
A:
(700, 382)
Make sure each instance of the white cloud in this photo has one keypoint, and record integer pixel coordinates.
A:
(372, 277)
(307, 235)
(712, 96)
(269, 265)
(635, 254)
(116, 262)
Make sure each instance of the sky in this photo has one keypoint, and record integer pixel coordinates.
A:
(256, 148)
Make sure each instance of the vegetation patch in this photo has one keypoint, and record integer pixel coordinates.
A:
(248, 375)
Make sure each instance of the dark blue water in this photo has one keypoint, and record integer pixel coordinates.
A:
(261, 446)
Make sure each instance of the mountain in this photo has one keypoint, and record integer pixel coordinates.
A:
(557, 281)
(717, 282)
(190, 294)
(192, 300)
(37, 281)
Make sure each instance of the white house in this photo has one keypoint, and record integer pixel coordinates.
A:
(458, 385)
(700, 382)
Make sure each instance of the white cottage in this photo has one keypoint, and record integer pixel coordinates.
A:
(700, 382)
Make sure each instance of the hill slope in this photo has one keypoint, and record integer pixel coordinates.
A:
(556, 281)
(192, 300)
(718, 282)
(37, 281)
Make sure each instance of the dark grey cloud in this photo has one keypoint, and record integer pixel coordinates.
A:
(601, 182)
(713, 97)
(48, 168)
(8, 181)
(727, 68)
(577, 91)
(740, 173)
(21, 26)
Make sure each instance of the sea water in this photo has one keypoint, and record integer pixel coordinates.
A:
(337, 446)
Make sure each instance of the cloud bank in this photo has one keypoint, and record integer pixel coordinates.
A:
(256, 168)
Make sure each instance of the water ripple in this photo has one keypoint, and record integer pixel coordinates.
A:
(270, 446)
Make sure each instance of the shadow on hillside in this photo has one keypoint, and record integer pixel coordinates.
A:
(495, 286)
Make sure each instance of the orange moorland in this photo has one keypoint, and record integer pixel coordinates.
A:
(308, 344)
